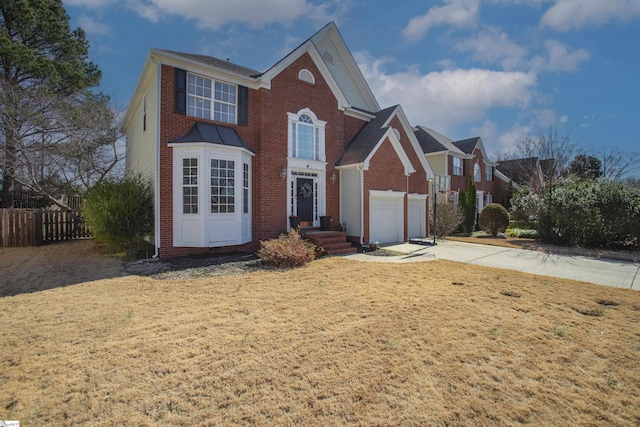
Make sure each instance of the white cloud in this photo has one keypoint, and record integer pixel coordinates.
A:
(525, 2)
(93, 28)
(493, 46)
(568, 15)
(145, 10)
(507, 142)
(290, 43)
(92, 4)
(445, 99)
(214, 14)
(559, 58)
(458, 13)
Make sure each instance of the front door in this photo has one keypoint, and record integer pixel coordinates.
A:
(304, 199)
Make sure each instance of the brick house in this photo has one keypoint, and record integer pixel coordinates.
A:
(453, 161)
(231, 153)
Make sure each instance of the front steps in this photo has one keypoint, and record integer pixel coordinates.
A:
(332, 242)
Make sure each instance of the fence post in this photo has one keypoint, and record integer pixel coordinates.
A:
(37, 221)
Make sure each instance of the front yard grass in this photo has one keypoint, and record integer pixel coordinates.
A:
(335, 342)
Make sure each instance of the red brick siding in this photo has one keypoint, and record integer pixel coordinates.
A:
(386, 172)
(266, 134)
(172, 126)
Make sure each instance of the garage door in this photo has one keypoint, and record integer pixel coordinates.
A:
(417, 215)
(386, 218)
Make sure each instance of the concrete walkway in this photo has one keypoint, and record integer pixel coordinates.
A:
(619, 274)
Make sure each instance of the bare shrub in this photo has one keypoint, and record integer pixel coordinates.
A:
(449, 218)
(289, 250)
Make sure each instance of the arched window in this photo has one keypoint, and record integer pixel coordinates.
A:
(477, 175)
(306, 76)
(306, 136)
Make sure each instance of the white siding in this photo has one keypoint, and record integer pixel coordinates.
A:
(350, 200)
(342, 75)
(141, 145)
(417, 215)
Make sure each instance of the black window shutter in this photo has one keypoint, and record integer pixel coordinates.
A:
(180, 94)
(243, 105)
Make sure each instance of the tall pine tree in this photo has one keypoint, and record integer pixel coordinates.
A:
(468, 200)
(41, 58)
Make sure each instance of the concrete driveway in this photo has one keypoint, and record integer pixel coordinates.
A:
(618, 274)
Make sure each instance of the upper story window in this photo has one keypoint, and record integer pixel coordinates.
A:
(457, 166)
(211, 99)
(306, 76)
(306, 136)
(488, 173)
(477, 175)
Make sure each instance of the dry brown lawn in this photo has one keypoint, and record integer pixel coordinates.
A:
(336, 342)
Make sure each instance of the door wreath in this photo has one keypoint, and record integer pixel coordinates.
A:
(305, 191)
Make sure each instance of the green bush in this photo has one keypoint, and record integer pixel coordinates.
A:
(525, 233)
(289, 250)
(591, 214)
(494, 219)
(120, 213)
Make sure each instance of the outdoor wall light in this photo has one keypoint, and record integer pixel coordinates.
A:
(283, 173)
(332, 178)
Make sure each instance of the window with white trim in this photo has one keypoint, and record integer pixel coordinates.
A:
(306, 136)
(477, 176)
(211, 99)
(454, 197)
(488, 199)
(245, 188)
(190, 186)
(306, 76)
(457, 166)
(222, 186)
(488, 173)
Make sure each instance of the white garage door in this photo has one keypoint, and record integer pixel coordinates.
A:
(417, 215)
(386, 218)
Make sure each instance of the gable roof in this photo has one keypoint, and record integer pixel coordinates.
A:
(434, 142)
(467, 145)
(343, 77)
(214, 62)
(520, 171)
(365, 144)
(366, 140)
(212, 134)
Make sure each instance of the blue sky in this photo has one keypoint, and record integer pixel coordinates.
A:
(499, 69)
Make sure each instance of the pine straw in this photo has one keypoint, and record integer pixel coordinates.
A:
(336, 342)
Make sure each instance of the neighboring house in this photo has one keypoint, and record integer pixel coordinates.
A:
(526, 172)
(453, 162)
(232, 152)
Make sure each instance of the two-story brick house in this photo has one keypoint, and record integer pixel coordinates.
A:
(231, 153)
(453, 162)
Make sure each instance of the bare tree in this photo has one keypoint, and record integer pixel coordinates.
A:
(617, 164)
(549, 150)
(62, 144)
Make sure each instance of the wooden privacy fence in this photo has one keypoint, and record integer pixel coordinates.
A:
(22, 227)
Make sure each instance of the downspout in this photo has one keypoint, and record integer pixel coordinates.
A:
(157, 183)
